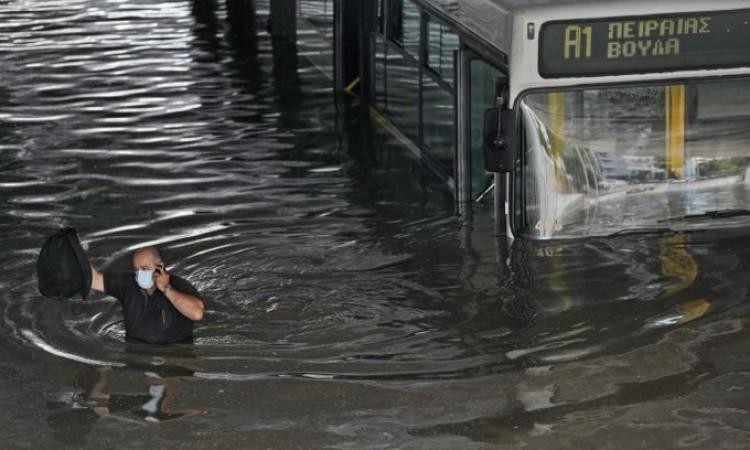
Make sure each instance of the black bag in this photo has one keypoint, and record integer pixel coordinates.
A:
(63, 268)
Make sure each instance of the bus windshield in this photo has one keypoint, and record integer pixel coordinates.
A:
(601, 161)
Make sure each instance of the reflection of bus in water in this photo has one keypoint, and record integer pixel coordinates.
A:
(595, 121)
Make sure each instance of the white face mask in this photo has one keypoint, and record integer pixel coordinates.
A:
(145, 278)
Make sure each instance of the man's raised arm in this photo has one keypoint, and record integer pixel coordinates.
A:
(97, 280)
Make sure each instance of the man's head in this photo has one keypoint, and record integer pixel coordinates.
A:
(145, 261)
(146, 258)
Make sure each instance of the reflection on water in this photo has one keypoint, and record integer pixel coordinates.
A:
(74, 413)
(347, 306)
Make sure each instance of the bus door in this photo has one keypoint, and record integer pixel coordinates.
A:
(491, 149)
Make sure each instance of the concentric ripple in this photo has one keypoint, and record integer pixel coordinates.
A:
(139, 124)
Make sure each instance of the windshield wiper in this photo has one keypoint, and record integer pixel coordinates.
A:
(718, 214)
(642, 231)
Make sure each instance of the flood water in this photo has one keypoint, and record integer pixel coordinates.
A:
(348, 306)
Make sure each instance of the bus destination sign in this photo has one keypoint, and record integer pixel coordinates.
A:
(645, 45)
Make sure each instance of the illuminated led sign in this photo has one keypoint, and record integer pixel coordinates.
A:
(645, 44)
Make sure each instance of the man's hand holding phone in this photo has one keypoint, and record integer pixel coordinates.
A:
(161, 278)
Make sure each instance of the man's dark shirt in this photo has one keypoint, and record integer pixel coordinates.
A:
(151, 319)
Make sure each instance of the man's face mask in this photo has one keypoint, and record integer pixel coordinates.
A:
(145, 278)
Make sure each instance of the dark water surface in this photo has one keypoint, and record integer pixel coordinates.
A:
(347, 306)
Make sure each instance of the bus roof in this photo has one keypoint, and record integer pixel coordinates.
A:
(492, 21)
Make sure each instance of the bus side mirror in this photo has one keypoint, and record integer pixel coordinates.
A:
(498, 151)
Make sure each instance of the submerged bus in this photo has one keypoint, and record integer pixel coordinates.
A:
(588, 118)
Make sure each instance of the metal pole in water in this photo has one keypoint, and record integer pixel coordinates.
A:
(284, 19)
(368, 17)
(499, 204)
(347, 18)
(463, 136)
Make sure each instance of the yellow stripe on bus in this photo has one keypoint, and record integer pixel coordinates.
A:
(557, 123)
(675, 123)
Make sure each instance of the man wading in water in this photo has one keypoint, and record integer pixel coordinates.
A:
(159, 308)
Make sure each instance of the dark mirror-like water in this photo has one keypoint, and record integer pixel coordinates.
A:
(347, 305)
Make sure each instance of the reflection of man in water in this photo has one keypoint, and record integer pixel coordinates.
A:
(159, 308)
(73, 415)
